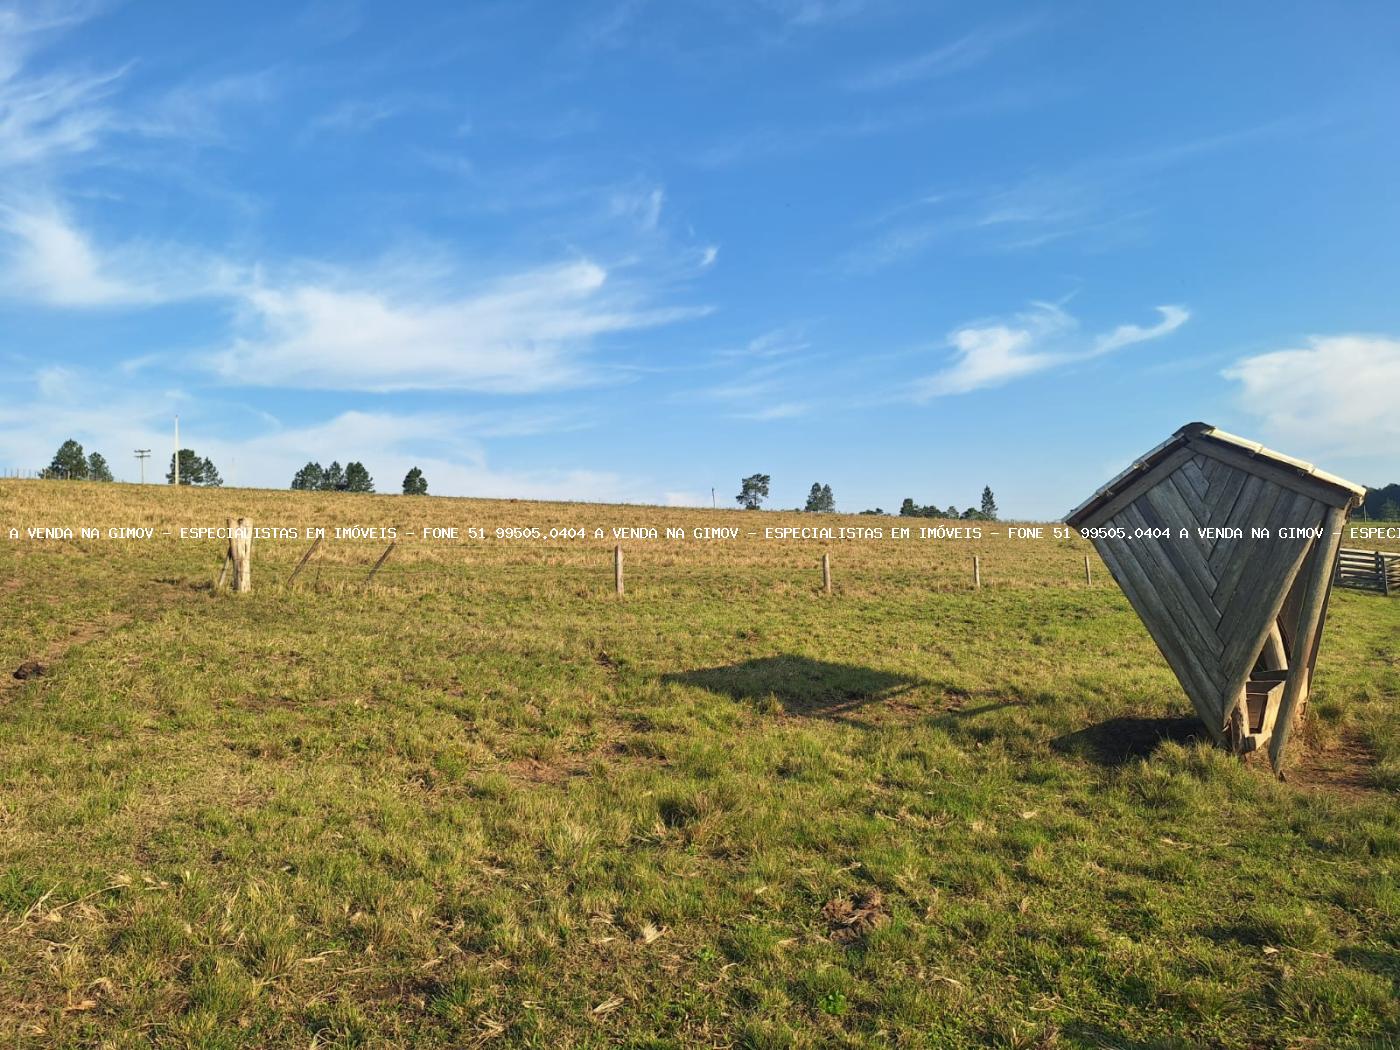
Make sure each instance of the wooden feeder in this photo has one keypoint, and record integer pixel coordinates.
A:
(1226, 550)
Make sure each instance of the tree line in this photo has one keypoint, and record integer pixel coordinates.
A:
(70, 463)
(753, 490)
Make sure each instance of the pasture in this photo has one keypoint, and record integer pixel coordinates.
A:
(485, 801)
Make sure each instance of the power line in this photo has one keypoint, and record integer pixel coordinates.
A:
(143, 454)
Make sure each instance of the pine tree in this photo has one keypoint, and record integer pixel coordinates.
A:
(194, 470)
(753, 490)
(989, 504)
(357, 478)
(828, 500)
(414, 483)
(309, 477)
(69, 463)
(333, 480)
(814, 497)
(97, 469)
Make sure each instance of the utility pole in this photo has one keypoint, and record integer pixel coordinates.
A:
(177, 451)
(712, 498)
(143, 454)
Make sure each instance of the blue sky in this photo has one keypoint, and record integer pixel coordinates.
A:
(630, 251)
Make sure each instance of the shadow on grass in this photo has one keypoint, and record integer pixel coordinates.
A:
(801, 685)
(1095, 1035)
(1123, 739)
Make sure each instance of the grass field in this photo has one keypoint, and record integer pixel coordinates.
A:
(486, 802)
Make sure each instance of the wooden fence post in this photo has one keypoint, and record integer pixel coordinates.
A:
(382, 559)
(241, 551)
(1382, 570)
(617, 568)
(1088, 576)
(304, 559)
(228, 558)
(826, 573)
(976, 573)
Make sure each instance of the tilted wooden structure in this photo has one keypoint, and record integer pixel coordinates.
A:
(1238, 615)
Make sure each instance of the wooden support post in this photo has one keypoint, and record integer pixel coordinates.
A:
(240, 547)
(617, 568)
(382, 559)
(976, 572)
(1381, 571)
(1088, 576)
(826, 573)
(1275, 655)
(228, 558)
(1310, 614)
(304, 559)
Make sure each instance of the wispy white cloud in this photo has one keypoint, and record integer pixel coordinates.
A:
(967, 51)
(45, 256)
(782, 410)
(641, 206)
(1335, 393)
(1103, 200)
(529, 331)
(54, 114)
(356, 116)
(993, 353)
(817, 12)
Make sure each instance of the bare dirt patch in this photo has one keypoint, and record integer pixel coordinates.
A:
(1343, 769)
(29, 669)
(850, 919)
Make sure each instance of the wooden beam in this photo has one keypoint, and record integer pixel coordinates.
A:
(1299, 482)
(1310, 615)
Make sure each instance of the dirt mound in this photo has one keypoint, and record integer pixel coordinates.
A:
(30, 669)
(849, 919)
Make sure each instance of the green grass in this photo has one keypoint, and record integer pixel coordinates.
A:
(489, 803)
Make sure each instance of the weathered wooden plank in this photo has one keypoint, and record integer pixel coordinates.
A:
(1254, 618)
(1209, 467)
(1192, 475)
(1169, 507)
(1257, 556)
(1197, 584)
(1245, 496)
(1135, 488)
(1231, 569)
(1197, 623)
(1279, 475)
(1310, 615)
(1170, 607)
(1195, 683)
(1274, 655)
(1225, 490)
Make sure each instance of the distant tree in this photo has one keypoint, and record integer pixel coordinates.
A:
(194, 470)
(97, 469)
(414, 483)
(971, 514)
(951, 512)
(1381, 501)
(877, 510)
(68, 462)
(1390, 511)
(828, 500)
(309, 477)
(357, 478)
(753, 490)
(333, 479)
(908, 509)
(814, 498)
(989, 504)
